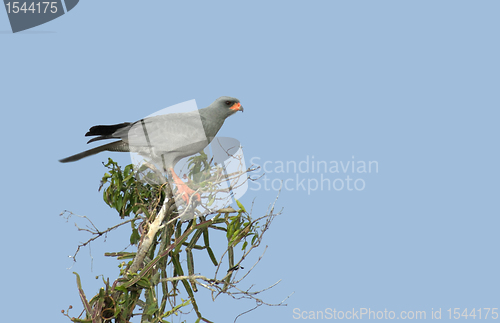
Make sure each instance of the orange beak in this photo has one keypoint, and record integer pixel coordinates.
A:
(237, 107)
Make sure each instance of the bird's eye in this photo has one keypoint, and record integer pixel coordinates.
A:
(228, 102)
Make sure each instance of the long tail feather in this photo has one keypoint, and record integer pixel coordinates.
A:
(112, 146)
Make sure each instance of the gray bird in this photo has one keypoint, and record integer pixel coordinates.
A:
(165, 139)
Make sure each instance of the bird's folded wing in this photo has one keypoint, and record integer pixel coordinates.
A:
(170, 132)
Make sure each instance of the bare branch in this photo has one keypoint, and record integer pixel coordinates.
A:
(94, 230)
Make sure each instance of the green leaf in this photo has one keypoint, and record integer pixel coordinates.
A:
(230, 230)
(135, 237)
(206, 238)
(211, 201)
(190, 261)
(152, 308)
(254, 238)
(144, 282)
(241, 206)
(119, 203)
(212, 256)
(235, 234)
(121, 288)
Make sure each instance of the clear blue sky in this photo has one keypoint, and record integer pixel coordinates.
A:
(412, 86)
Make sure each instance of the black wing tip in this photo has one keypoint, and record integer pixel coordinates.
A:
(105, 130)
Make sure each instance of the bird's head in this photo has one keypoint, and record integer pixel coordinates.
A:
(228, 104)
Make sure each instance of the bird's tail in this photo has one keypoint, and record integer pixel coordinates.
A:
(112, 146)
